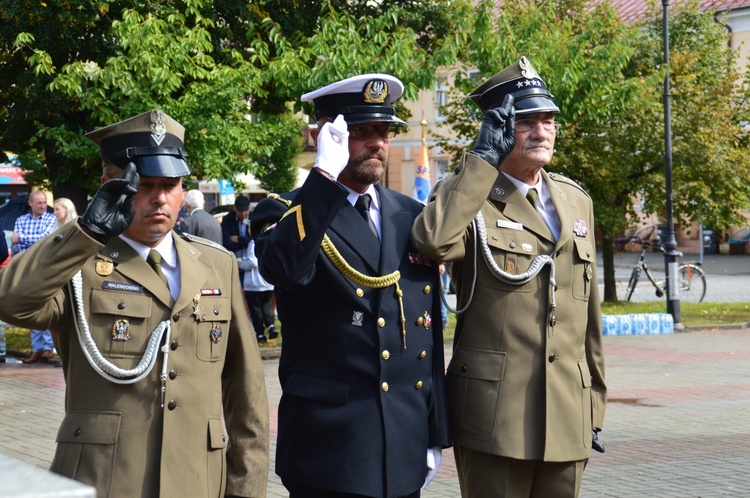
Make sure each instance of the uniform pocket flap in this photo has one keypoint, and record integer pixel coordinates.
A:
(216, 436)
(585, 373)
(512, 241)
(90, 428)
(317, 388)
(481, 364)
(585, 251)
(128, 304)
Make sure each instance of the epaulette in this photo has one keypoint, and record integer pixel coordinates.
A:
(200, 240)
(564, 179)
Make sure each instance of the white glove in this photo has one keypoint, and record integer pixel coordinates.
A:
(333, 147)
(434, 457)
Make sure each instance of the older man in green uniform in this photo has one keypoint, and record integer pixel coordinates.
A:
(165, 389)
(526, 386)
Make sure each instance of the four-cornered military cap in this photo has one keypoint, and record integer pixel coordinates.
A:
(522, 81)
(153, 141)
(361, 99)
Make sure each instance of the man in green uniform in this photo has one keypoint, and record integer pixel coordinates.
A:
(525, 384)
(165, 389)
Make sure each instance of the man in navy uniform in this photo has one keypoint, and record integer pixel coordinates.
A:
(165, 394)
(526, 382)
(363, 408)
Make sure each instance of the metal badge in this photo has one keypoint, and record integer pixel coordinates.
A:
(158, 129)
(198, 312)
(526, 247)
(121, 330)
(216, 333)
(357, 318)
(588, 273)
(527, 70)
(499, 191)
(580, 228)
(375, 92)
(104, 268)
(427, 321)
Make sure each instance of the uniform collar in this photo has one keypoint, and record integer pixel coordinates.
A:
(165, 248)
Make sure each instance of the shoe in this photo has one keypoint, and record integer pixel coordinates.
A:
(38, 355)
(261, 339)
(272, 332)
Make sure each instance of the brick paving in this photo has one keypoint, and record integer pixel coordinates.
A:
(678, 421)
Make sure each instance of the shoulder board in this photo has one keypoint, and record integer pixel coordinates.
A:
(564, 179)
(200, 240)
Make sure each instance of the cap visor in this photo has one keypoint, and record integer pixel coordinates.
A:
(372, 118)
(534, 105)
(161, 166)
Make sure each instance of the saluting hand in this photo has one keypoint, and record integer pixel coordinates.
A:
(333, 147)
(111, 210)
(497, 135)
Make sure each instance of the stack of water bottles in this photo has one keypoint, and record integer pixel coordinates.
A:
(637, 324)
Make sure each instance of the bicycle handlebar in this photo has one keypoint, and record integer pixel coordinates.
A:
(643, 243)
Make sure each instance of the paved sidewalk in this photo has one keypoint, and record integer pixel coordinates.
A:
(678, 422)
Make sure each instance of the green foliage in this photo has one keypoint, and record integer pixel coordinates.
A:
(607, 78)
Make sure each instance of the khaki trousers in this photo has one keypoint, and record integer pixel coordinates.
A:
(482, 475)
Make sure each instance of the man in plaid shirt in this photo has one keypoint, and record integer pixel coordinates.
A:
(30, 228)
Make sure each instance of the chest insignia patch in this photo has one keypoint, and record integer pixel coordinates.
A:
(580, 229)
(210, 292)
(357, 318)
(198, 312)
(121, 330)
(427, 323)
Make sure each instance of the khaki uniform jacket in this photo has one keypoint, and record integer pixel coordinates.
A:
(117, 437)
(523, 382)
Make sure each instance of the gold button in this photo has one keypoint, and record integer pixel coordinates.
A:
(427, 289)
(385, 355)
(420, 320)
(418, 385)
(360, 292)
(384, 387)
(422, 354)
(381, 322)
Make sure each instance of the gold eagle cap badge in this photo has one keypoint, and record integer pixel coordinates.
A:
(527, 70)
(376, 91)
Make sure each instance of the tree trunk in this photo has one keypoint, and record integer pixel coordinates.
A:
(608, 267)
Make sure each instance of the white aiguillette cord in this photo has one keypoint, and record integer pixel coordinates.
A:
(510, 278)
(104, 367)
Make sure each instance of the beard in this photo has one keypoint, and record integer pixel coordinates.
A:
(367, 168)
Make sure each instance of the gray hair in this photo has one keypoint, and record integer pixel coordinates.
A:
(194, 199)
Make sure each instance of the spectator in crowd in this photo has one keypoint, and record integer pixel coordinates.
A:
(235, 229)
(258, 295)
(29, 229)
(165, 394)
(363, 410)
(526, 383)
(198, 221)
(65, 211)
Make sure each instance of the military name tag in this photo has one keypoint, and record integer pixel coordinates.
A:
(104, 268)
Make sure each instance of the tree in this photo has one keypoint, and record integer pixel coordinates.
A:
(232, 77)
(607, 79)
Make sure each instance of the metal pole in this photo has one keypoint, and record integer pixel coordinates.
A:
(670, 244)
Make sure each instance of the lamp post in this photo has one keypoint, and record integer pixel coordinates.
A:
(670, 243)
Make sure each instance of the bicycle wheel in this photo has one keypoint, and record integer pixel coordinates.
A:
(632, 283)
(692, 283)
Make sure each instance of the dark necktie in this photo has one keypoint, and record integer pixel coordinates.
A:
(533, 197)
(363, 206)
(154, 260)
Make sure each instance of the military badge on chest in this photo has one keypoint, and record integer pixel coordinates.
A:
(580, 229)
(121, 330)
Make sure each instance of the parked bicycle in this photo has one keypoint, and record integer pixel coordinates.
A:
(691, 279)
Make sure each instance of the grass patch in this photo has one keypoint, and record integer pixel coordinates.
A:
(691, 314)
